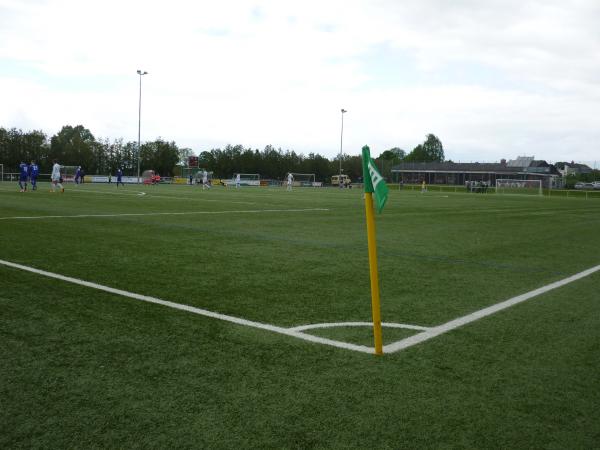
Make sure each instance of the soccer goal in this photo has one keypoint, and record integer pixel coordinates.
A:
(186, 172)
(68, 173)
(527, 187)
(246, 179)
(199, 174)
(304, 180)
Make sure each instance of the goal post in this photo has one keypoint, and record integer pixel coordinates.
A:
(246, 179)
(200, 174)
(68, 173)
(247, 176)
(303, 179)
(513, 186)
(186, 172)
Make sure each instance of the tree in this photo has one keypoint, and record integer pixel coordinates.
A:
(160, 156)
(388, 159)
(395, 153)
(17, 146)
(74, 146)
(184, 154)
(431, 150)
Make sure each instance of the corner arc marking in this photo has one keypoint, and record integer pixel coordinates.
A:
(314, 326)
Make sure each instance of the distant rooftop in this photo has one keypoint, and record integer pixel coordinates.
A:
(521, 161)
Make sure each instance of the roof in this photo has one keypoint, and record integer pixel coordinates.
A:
(581, 168)
(453, 167)
(521, 161)
(541, 167)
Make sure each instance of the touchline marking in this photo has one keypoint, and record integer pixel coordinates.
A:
(459, 322)
(194, 310)
(296, 332)
(247, 211)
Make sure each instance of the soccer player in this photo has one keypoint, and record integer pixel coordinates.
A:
(120, 177)
(34, 171)
(78, 175)
(23, 174)
(290, 181)
(237, 181)
(205, 183)
(56, 178)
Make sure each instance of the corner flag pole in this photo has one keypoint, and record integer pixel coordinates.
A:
(375, 303)
(374, 185)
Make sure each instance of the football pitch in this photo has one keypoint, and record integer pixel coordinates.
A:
(169, 316)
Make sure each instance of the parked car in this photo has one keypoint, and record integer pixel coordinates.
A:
(345, 179)
(581, 185)
(596, 184)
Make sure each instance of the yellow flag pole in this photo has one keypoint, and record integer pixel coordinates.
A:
(375, 304)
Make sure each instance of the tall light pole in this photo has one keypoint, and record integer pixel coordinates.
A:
(341, 147)
(140, 73)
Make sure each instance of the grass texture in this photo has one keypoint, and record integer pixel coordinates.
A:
(80, 368)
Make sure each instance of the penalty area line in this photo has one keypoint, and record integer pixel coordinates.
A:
(192, 309)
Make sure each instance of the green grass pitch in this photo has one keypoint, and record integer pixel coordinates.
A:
(82, 368)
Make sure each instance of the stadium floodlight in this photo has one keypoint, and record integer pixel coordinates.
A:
(140, 73)
(341, 142)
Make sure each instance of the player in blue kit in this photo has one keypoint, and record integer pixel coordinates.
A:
(23, 175)
(120, 177)
(78, 175)
(34, 171)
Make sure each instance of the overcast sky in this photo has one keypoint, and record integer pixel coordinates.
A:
(492, 79)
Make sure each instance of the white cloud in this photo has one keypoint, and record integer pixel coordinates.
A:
(492, 79)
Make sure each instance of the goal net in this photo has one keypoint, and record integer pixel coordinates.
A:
(68, 173)
(528, 187)
(199, 174)
(246, 179)
(303, 180)
(186, 172)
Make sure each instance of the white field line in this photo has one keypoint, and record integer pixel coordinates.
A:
(192, 309)
(459, 322)
(295, 331)
(186, 213)
(314, 326)
(151, 195)
(136, 193)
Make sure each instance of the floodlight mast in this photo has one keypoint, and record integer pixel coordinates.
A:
(341, 147)
(140, 73)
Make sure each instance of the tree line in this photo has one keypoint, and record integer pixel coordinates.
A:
(77, 146)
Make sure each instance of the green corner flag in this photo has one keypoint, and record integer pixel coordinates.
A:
(373, 180)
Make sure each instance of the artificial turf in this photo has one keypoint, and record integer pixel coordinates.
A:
(83, 368)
